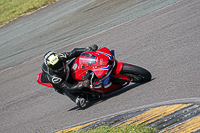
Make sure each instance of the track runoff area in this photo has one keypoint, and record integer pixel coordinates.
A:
(169, 117)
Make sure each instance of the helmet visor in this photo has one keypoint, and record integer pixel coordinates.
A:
(58, 67)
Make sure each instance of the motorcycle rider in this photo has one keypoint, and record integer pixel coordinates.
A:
(57, 72)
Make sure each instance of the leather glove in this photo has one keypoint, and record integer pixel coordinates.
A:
(84, 84)
(92, 48)
(63, 55)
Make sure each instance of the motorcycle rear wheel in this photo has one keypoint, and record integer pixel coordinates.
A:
(136, 73)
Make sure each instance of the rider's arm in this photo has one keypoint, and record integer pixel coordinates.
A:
(67, 87)
(64, 86)
(76, 52)
(60, 85)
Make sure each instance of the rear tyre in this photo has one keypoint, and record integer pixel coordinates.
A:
(136, 73)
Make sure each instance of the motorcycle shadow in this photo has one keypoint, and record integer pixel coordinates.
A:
(107, 96)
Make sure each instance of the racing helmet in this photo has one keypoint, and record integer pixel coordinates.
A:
(54, 62)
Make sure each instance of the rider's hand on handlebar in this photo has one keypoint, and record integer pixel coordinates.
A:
(85, 84)
(92, 48)
(63, 55)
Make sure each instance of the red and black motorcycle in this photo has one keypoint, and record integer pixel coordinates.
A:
(105, 73)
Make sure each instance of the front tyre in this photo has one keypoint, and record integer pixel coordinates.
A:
(136, 73)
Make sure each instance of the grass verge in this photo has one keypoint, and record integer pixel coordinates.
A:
(117, 129)
(13, 9)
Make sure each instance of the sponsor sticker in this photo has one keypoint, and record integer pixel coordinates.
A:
(74, 66)
(56, 80)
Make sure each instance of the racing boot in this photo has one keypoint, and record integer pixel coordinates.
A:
(81, 102)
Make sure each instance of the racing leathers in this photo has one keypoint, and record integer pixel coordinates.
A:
(63, 82)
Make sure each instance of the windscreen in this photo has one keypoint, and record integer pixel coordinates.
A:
(87, 59)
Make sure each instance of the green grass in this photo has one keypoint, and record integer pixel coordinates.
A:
(117, 129)
(12, 9)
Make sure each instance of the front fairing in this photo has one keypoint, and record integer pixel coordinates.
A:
(100, 62)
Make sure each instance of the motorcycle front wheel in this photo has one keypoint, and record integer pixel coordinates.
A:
(136, 73)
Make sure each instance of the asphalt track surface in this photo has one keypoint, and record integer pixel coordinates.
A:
(163, 40)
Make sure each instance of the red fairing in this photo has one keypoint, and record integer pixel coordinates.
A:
(118, 67)
(39, 78)
(100, 62)
(122, 77)
(96, 61)
(110, 88)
